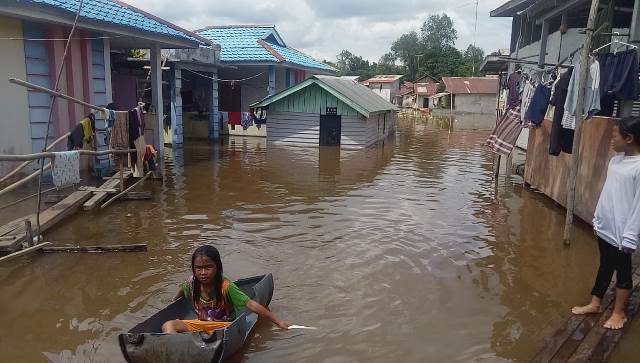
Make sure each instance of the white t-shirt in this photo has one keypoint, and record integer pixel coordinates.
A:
(617, 216)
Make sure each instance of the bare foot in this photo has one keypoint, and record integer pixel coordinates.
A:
(587, 309)
(616, 321)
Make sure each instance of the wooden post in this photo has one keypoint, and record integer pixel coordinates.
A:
(626, 107)
(575, 157)
(156, 96)
(121, 174)
(28, 231)
(271, 88)
(543, 44)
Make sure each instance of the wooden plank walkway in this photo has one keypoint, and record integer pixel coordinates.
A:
(583, 338)
(13, 234)
(112, 183)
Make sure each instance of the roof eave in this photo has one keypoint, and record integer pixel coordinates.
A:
(45, 14)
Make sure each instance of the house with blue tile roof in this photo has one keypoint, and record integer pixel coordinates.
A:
(32, 38)
(255, 62)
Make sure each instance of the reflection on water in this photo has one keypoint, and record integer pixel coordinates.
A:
(409, 250)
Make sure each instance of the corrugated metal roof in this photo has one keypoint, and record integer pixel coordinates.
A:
(511, 8)
(359, 97)
(122, 14)
(426, 89)
(383, 78)
(241, 43)
(471, 85)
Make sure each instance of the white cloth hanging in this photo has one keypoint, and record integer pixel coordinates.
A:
(66, 168)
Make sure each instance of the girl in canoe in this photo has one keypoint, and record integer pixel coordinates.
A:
(215, 299)
(617, 222)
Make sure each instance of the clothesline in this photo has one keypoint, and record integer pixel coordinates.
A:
(223, 80)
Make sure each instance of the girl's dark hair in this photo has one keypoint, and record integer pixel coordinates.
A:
(630, 126)
(214, 255)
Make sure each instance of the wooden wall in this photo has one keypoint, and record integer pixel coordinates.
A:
(312, 99)
(303, 129)
(549, 174)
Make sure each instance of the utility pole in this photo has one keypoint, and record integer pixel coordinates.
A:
(418, 56)
(475, 36)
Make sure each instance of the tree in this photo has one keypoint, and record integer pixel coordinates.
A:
(350, 64)
(438, 32)
(473, 57)
(406, 48)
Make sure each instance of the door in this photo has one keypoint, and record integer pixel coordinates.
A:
(330, 130)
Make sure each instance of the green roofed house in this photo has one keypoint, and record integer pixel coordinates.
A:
(328, 111)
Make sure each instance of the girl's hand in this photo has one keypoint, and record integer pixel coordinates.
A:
(628, 250)
(282, 325)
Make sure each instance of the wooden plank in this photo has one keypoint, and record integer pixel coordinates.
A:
(53, 198)
(141, 247)
(25, 251)
(48, 218)
(140, 181)
(98, 197)
(13, 225)
(138, 195)
(599, 343)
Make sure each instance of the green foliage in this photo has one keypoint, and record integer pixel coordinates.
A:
(413, 54)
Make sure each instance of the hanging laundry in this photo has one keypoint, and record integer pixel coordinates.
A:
(260, 117)
(527, 96)
(504, 136)
(138, 157)
(538, 107)
(619, 75)
(591, 97)
(224, 116)
(235, 118)
(150, 157)
(66, 168)
(561, 138)
(120, 133)
(74, 140)
(111, 118)
(246, 120)
(514, 97)
(88, 128)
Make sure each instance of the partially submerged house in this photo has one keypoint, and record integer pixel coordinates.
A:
(406, 96)
(255, 62)
(386, 86)
(423, 92)
(328, 111)
(476, 95)
(31, 29)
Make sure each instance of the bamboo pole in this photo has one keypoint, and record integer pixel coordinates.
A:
(575, 157)
(35, 87)
(23, 181)
(23, 165)
(142, 247)
(52, 154)
(24, 251)
(107, 203)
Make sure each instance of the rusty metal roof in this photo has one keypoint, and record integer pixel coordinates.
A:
(426, 89)
(471, 85)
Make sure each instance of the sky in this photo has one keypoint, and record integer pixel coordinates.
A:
(323, 28)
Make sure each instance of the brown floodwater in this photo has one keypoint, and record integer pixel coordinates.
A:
(410, 251)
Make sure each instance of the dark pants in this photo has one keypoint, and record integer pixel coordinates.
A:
(612, 259)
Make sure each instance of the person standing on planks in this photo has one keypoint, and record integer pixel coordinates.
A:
(617, 223)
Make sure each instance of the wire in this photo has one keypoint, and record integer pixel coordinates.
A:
(53, 100)
(224, 80)
(61, 39)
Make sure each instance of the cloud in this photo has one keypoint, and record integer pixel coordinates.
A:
(322, 28)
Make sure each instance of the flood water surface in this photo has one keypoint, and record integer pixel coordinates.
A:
(411, 251)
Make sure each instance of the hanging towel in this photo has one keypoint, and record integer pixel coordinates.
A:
(527, 96)
(138, 156)
(111, 118)
(66, 168)
(235, 118)
(260, 117)
(504, 136)
(120, 134)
